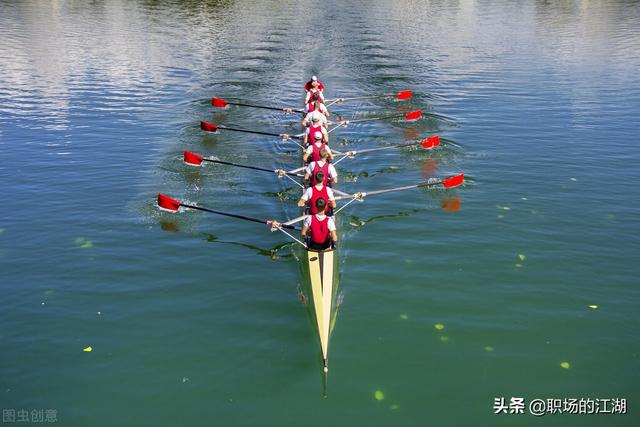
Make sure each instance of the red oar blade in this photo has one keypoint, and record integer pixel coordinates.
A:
(192, 159)
(405, 94)
(167, 203)
(454, 181)
(414, 115)
(218, 102)
(431, 142)
(208, 127)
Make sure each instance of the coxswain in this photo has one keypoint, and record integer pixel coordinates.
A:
(316, 126)
(329, 171)
(315, 192)
(313, 86)
(319, 228)
(312, 152)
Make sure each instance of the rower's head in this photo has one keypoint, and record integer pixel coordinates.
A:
(319, 177)
(317, 136)
(315, 97)
(324, 153)
(315, 118)
(321, 204)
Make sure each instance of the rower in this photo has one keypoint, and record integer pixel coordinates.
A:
(328, 170)
(316, 126)
(319, 230)
(315, 116)
(315, 192)
(316, 105)
(313, 150)
(313, 86)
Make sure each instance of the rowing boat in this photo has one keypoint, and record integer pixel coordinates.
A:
(321, 278)
(320, 270)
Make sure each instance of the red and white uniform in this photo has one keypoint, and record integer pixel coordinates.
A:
(311, 131)
(308, 87)
(329, 170)
(314, 150)
(323, 119)
(320, 228)
(312, 194)
(310, 107)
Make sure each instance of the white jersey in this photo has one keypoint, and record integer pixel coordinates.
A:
(331, 224)
(312, 165)
(306, 196)
(323, 119)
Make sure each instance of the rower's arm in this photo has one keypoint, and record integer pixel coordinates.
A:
(332, 203)
(334, 235)
(304, 231)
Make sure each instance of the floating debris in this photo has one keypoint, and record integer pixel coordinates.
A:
(488, 348)
(395, 407)
(522, 257)
(404, 316)
(444, 338)
(524, 198)
(573, 179)
(565, 365)
(593, 306)
(379, 395)
(185, 380)
(439, 326)
(83, 243)
(88, 349)
(500, 216)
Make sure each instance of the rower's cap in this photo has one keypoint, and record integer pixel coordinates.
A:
(314, 79)
(317, 135)
(315, 118)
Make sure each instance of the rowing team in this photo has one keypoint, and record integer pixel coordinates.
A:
(319, 228)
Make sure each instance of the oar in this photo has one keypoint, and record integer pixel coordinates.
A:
(210, 127)
(402, 95)
(172, 205)
(193, 159)
(221, 103)
(451, 182)
(413, 115)
(428, 144)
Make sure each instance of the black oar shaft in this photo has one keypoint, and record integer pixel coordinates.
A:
(246, 218)
(264, 107)
(222, 162)
(257, 132)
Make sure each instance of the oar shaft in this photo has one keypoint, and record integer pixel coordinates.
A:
(264, 107)
(246, 218)
(222, 162)
(257, 132)
(369, 119)
(354, 98)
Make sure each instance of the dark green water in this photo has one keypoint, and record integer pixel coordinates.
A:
(191, 320)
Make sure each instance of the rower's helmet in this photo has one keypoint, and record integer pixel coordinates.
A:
(314, 79)
(317, 135)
